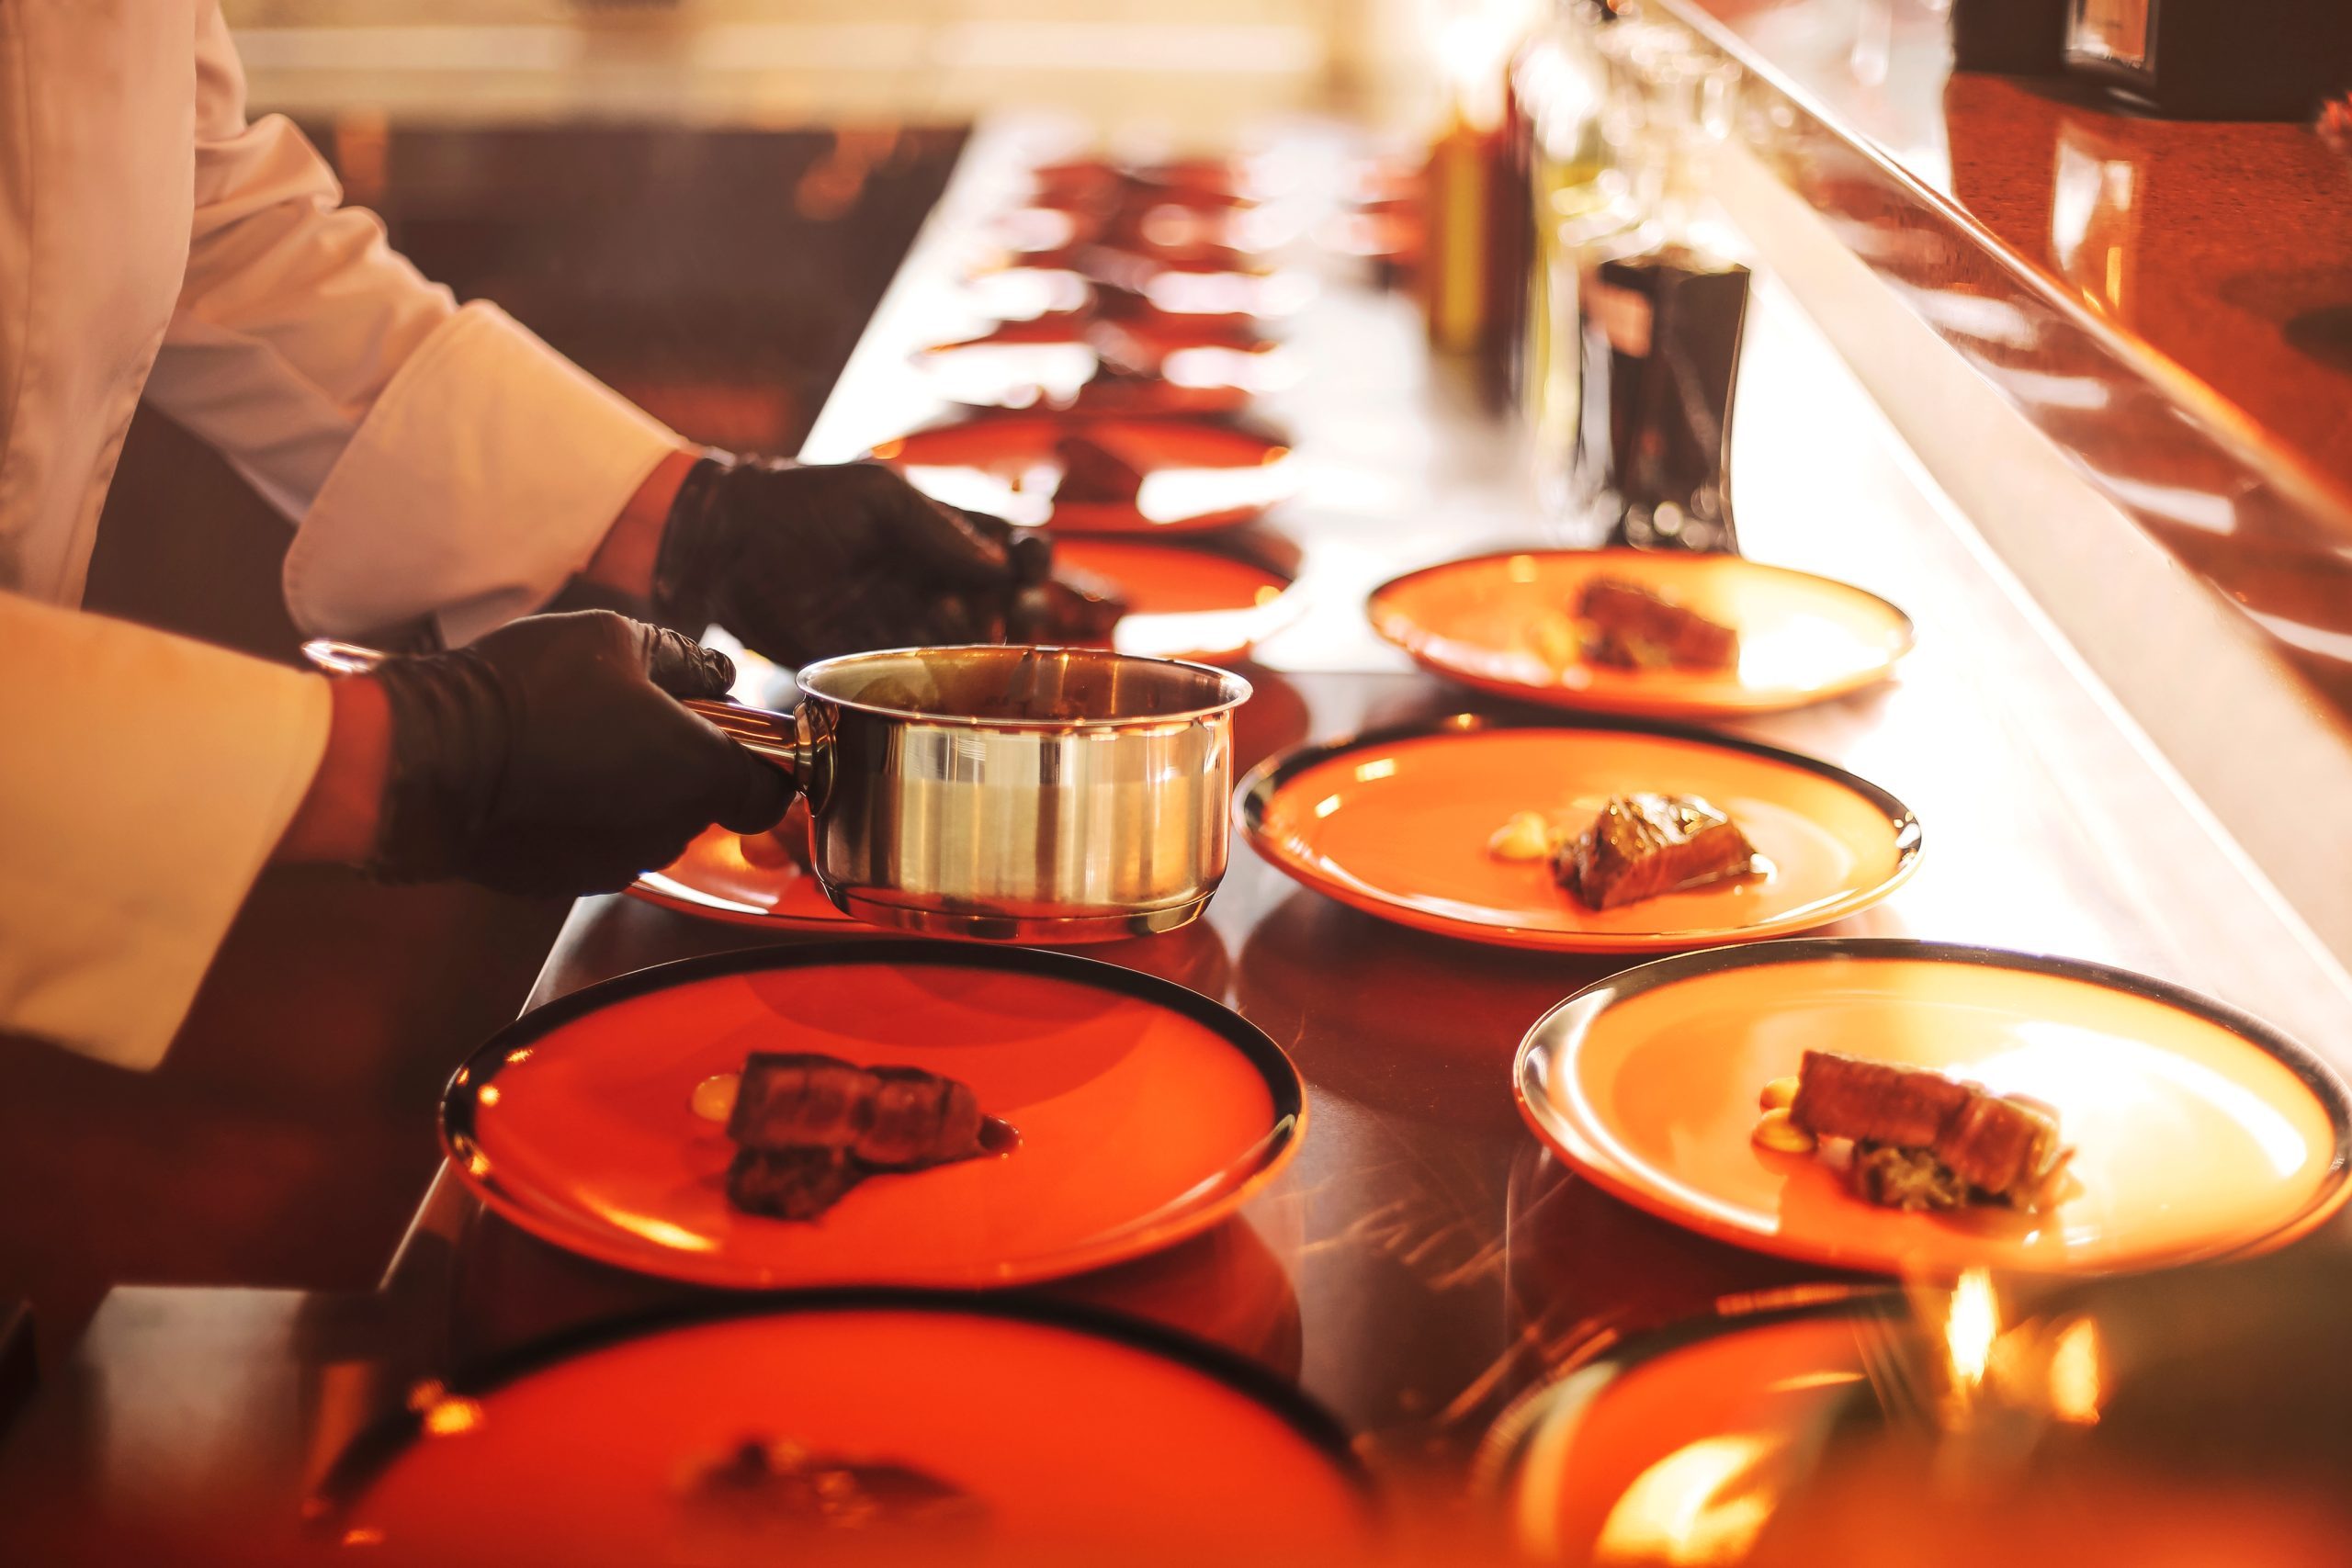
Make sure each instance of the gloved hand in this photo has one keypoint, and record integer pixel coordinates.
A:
(549, 757)
(805, 562)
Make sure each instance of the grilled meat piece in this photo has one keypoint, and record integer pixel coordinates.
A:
(2003, 1146)
(1633, 628)
(886, 1118)
(1844, 1097)
(1093, 473)
(1999, 1144)
(1642, 845)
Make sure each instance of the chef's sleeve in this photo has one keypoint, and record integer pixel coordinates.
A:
(145, 779)
(436, 458)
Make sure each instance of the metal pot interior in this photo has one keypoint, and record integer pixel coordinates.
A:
(1024, 687)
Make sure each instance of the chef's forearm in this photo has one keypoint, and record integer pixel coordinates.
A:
(340, 813)
(625, 562)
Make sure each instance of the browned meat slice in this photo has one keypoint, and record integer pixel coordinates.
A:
(795, 1101)
(886, 1118)
(790, 1184)
(1636, 629)
(1844, 1097)
(1922, 1137)
(1642, 845)
(1093, 473)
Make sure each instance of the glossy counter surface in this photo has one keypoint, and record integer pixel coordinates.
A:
(1423, 1261)
(2169, 302)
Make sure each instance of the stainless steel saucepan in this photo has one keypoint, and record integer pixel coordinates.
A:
(1006, 793)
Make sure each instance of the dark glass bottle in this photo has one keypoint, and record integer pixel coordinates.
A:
(1661, 310)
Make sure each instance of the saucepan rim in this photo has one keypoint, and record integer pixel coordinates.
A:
(1232, 690)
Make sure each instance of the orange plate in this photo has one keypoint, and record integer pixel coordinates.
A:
(1147, 1113)
(1396, 823)
(2198, 1130)
(1064, 1429)
(715, 877)
(1184, 603)
(1693, 1434)
(1195, 475)
(1802, 638)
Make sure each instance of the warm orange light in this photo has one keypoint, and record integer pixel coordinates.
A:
(1971, 1322)
(2075, 1383)
(449, 1418)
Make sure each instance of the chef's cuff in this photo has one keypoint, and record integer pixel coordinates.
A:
(481, 481)
(149, 778)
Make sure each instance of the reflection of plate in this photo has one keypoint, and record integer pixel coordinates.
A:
(1146, 1112)
(1682, 1447)
(1396, 823)
(1802, 638)
(2198, 1131)
(1195, 475)
(975, 1435)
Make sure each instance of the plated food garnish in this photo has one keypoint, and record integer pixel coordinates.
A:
(1637, 846)
(1920, 1140)
(809, 1128)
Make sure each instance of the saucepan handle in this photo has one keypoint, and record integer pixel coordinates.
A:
(774, 737)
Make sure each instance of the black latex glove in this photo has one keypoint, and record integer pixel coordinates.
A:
(806, 562)
(551, 757)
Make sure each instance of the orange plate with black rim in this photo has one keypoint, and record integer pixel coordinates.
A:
(2198, 1131)
(1396, 822)
(1146, 1114)
(1196, 475)
(750, 879)
(1484, 622)
(950, 1434)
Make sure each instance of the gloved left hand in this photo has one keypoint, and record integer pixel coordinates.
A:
(803, 562)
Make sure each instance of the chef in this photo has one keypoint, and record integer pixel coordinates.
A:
(438, 463)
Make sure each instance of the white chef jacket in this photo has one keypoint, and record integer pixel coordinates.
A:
(439, 460)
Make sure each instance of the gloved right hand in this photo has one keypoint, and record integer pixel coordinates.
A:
(553, 757)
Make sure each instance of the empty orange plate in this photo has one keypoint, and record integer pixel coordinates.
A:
(1195, 475)
(887, 1430)
(1500, 623)
(1146, 1114)
(1397, 823)
(2198, 1131)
